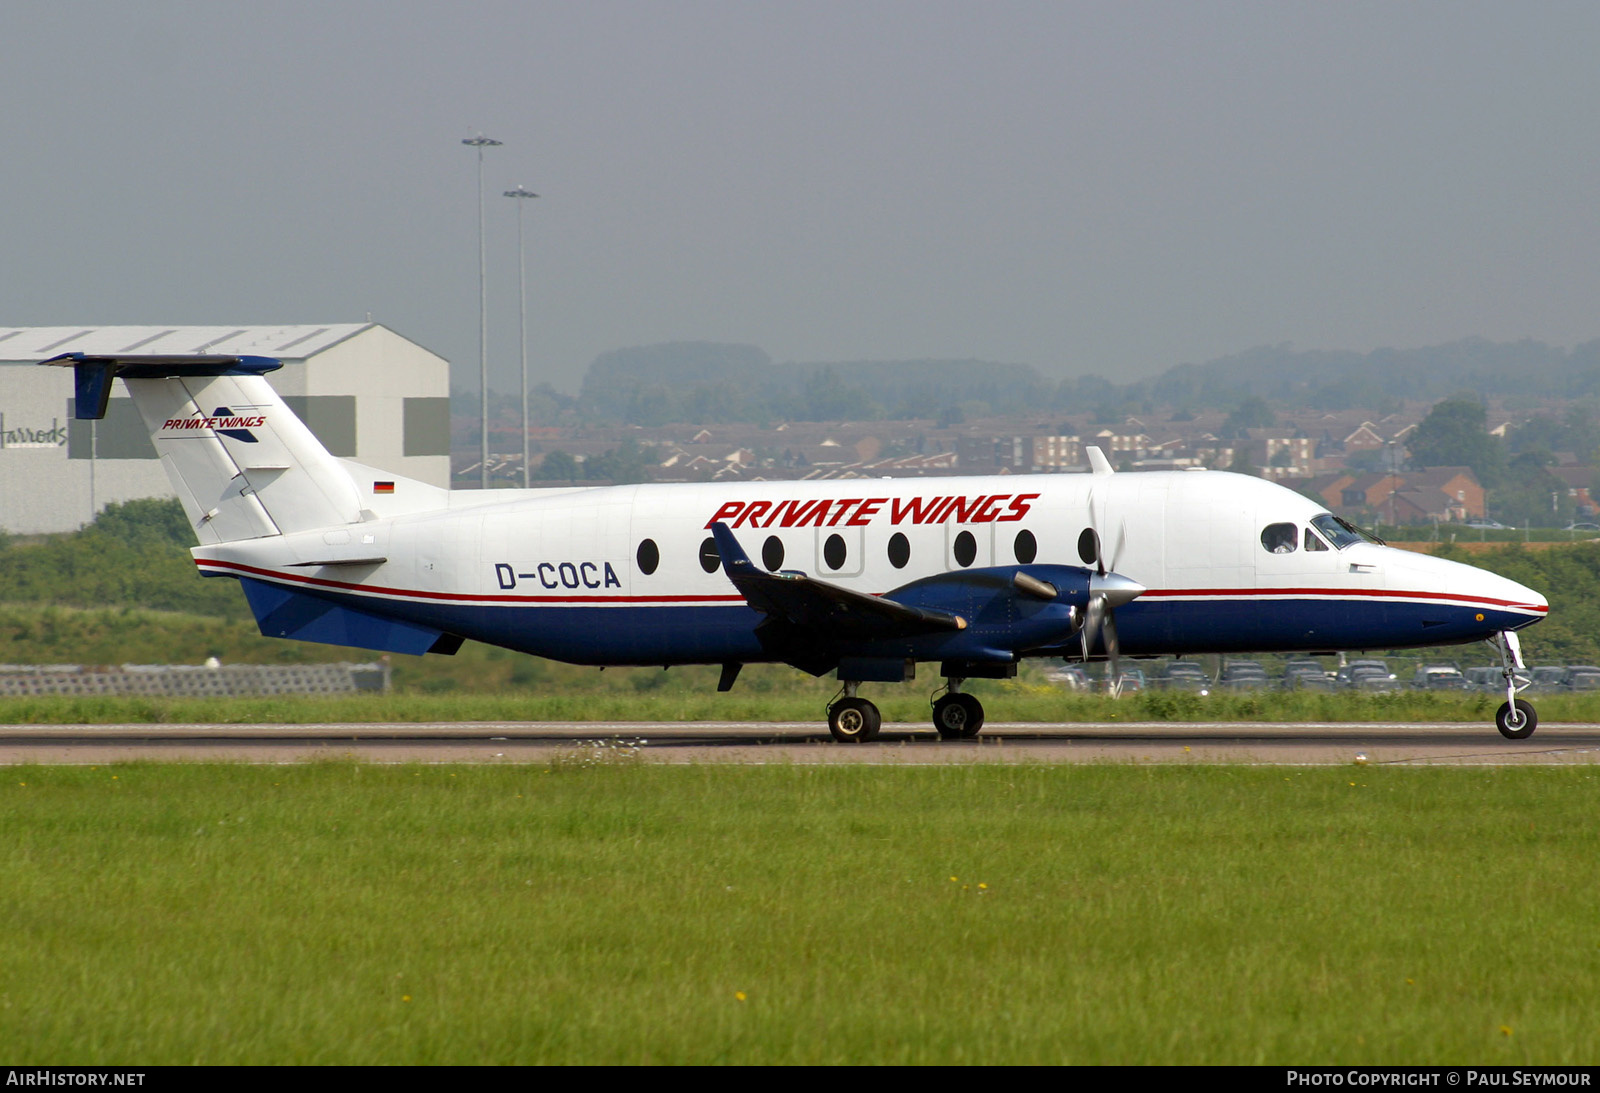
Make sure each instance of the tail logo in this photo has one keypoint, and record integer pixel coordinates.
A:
(224, 422)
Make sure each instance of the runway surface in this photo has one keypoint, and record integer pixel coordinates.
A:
(805, 742)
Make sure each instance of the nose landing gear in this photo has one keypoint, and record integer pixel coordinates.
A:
(1515, 718)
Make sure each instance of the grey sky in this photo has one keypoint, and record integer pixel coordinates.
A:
(1085, 187)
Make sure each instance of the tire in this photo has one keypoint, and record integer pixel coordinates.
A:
(958, 717)
(854, 720)
(1518, 723)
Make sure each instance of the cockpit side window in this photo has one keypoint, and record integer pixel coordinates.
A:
(1314, 542)
(1280, 538)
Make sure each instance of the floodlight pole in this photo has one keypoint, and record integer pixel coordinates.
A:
(480, 142)
(522, 301)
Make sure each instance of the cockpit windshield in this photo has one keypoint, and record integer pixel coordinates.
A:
(1342, 533)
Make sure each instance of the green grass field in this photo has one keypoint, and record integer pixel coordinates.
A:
(623, 912)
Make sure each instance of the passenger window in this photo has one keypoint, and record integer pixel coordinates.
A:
(1280, 538)
(966, 549)
(833, 552)
(899, 550)
(1089, 546)
(772, 553)
(710, 558)
(649, 557)
(1314, 543)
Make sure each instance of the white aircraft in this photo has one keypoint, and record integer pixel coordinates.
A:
(864, 578)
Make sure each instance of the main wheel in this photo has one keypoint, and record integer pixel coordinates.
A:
(1516, 722)
(958, 717)
(854, 720)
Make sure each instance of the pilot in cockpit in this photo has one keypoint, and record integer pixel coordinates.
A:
(1279, 538)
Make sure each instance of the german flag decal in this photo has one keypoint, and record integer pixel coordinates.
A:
(383, 487)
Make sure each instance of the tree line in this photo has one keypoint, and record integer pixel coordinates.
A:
(709, 382)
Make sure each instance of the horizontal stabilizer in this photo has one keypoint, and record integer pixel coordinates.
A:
(92, 374)
(283, 613)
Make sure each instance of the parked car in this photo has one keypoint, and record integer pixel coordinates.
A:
(1489, 679)
(1439, 677)
(1582, 526)
(1490, 525)
(1244, 675)
(1130, 680)
(1582, 677)
(1302, 673)
(1546, 678)
(1372, 680)
(1307, 679)
(1303, 664)
(1346, 674)
(1070, 676)
(1186, 675)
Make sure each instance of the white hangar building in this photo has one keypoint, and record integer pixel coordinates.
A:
(367, 393)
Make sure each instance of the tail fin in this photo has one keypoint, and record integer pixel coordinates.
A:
(240, 461)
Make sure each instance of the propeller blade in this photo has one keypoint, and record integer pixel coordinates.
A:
(1113, 649)
(1093, 614)
(1116, 554)
(1099, 540)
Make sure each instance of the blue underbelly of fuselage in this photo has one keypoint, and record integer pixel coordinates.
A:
(1156, 627)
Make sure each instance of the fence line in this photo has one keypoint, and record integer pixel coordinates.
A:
(193, 680)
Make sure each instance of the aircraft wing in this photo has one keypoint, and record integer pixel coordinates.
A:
(797, 602)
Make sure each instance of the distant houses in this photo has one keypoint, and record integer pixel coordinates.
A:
(811, 450)
(1437, 495)
(1353, 464)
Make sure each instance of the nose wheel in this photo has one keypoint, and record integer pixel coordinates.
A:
(1516, 719)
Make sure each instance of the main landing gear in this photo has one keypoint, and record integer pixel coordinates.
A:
(957, 716)
(855, 720)
(1515, 718)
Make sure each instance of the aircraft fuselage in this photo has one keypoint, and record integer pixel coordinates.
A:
(629, 574)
